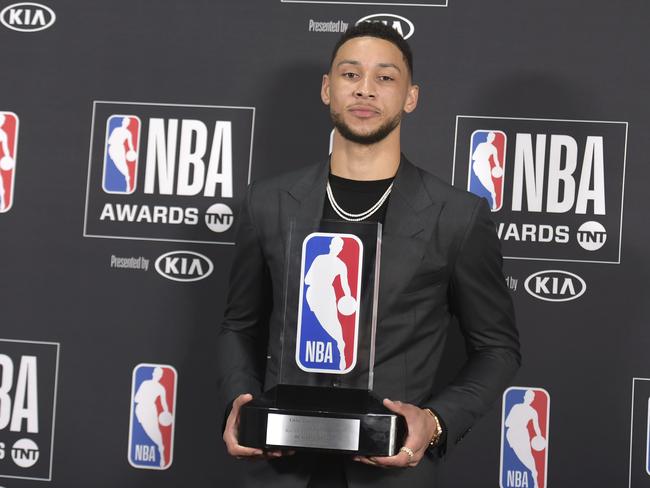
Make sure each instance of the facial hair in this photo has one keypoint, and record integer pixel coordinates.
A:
(365, 139)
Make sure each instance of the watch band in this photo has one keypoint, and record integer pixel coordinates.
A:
(438, 433)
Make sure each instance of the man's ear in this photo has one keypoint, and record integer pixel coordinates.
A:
(411, 98)
(325, 90)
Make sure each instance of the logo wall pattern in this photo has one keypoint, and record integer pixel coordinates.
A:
(112, 209)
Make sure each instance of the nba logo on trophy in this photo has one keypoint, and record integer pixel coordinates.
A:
(153, 408)
(328, 311)
(121, 151)
(487, 166)
(524, 437)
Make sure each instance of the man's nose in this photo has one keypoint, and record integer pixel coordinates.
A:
(365, 88)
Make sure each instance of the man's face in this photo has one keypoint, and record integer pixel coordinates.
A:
(368, 88)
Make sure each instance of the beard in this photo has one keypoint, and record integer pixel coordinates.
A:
(366, 139)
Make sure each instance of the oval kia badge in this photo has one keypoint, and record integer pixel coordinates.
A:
(184, 266)
(555, 285)
(401, 24)
(27, 17)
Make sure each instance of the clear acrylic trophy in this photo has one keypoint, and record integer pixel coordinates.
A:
(323, 399)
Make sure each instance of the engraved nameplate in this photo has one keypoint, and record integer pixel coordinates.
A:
(313, 432)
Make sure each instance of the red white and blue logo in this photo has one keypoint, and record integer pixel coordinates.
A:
(121, 151)
(524, 437)
(153, 410)
(328, 311)
(8, 142)
(487, 166)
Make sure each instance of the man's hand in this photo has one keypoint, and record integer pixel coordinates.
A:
(230, 434)
(421, 428)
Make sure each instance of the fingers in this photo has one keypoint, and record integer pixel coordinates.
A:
(277, 453)
(367, 460)
(232, 444)
(230, 432)
(241, 400)
(231, 440)
(415, 442)
(399, 460)
(397, 406)
(268, 455)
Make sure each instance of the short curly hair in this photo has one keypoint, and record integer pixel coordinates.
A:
(381, 31)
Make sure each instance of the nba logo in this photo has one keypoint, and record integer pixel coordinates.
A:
(121, 152)
(153, 408)
(487, 166)
(8, 141)
(328, 311)
(524, 437)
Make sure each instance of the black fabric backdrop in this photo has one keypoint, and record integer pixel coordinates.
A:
(559, 60)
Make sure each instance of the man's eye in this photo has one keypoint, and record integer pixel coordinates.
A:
(349, 75)
(386, 78)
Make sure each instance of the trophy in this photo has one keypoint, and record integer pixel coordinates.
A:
(323, 400)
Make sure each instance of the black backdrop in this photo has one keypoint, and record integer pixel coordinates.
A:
(552, 61)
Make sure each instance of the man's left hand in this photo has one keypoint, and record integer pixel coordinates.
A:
(421, 428)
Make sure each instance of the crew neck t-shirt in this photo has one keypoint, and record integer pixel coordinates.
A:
(356, 196)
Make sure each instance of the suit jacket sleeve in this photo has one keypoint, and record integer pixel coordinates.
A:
(242, 337)
(480, 300)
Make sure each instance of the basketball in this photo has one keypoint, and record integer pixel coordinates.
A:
(497, 172)
(7, 163)
(347, 305)
(538, 443)
(130, 155)
(165, 419)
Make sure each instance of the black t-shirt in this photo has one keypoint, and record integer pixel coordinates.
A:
(355, 196)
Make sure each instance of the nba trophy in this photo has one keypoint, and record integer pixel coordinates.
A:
(323, 399)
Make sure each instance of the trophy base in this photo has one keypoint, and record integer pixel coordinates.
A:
(312, 418)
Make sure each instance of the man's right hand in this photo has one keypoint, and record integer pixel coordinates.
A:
(230, 435)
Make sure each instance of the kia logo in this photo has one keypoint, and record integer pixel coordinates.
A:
(27, 17)
(401, 24)
(555, 285)
(184, 266)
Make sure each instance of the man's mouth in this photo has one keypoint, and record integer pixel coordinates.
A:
(363, 111)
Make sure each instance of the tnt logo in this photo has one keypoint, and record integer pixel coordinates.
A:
(591, 236)
(488, 159)
(153, 407)
(8, 142)
(25, 453)
(121, 154)
(328, 311)
(219, 217)
(524, 438)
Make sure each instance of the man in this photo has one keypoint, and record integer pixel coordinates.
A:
(440, 258)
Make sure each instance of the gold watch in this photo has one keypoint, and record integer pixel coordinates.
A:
(438, 433)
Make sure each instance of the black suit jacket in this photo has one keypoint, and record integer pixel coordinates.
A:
(440, 258)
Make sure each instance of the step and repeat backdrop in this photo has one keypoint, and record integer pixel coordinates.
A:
(130, 130)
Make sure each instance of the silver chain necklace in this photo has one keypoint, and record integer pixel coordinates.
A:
(350, 217)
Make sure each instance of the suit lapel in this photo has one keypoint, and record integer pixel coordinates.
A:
(303, 202)
(410, 219)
